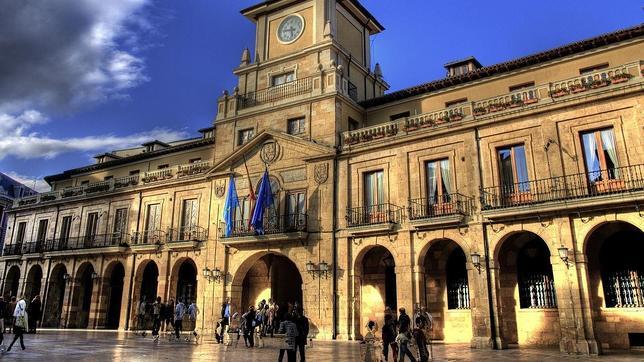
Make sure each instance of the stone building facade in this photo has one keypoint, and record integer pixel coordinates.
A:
(505, 199)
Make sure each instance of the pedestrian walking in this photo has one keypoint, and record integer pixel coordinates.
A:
(290, 334)
(140, 316)
(157, 306)
(193, 311)
(404, 343)
(3, 308)
(21, 323)
(225, 319)
(168, 316)
(35, 312)
(302, 324)
(389, 335)
(11, 306)
(403, 321)
(179, 312)
(421, 340)
(272, 316)
(249, 326)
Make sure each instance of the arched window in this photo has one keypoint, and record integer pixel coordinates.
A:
(458, 291)
(622, 270)
(536, 283)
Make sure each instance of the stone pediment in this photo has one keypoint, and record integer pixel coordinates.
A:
(273, 149)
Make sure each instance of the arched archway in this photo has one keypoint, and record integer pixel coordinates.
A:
(113, 294)
(184, 281)
(55, 297)
(526, 292)
(33, 285)
(447, 292)
(11, 283)
(82, 296)
(375, 287)
(146, 288)
(616, 279)
(268, 276)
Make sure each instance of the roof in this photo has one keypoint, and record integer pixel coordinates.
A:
(512, 65)
(463, 61)
(9, 187)
(355, 3)
(137, 157)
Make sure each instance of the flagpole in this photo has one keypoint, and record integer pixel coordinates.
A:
(253, 198)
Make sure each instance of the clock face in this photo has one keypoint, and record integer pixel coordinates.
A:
(290, 29)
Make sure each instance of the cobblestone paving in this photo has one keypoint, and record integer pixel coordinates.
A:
(108, 346)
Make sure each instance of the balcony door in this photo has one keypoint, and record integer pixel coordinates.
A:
(600, 156)
(374, 197)
(513, 171)
(42, 231)
(20, 235)
(152, 224)
(439, 190)
(120, 225)
(296, 209)
(91, 228)
(189, 219)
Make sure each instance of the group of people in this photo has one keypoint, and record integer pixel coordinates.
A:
(20, 318)
(267, 318)
(167, 318)
(399, 334)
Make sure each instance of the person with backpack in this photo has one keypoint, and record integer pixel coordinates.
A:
(302, 323)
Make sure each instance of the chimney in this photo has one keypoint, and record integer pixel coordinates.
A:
(461, 67)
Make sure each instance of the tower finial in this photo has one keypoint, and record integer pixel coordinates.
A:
(245, 58)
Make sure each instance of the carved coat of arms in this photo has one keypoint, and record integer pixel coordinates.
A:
(220, 188)
(321, 173)
(269, 152)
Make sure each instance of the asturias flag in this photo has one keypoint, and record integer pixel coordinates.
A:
(230, 206)
(264, 200)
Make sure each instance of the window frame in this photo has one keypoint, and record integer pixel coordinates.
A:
(284, 75)
(240, 136)
(523, 186)
(604, 170)
(301, 126)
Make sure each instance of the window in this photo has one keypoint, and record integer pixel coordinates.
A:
(461, 69)
(458, 290)
(513, 169)
(107, 178)
(296, 126)
(455, 102)
(20, 235)
(92, 225)
(282, 78)
(65, 228)
(353, 124)
(374, 193)
(600, 155)
(394, 117)
(120, 221)
(161, 167)
(189, 216)
(42, 230)
(296, 209)
(593, 68)
(134, 172)
(521, 86)
(245, 135)
(242, 214)
(438, 182)
(536, 282)
(153, 221)
(195, 160)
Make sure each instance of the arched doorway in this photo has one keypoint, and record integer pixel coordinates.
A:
(376, 287)
(113, 294)
(616, 279)
(526, 291)
(82, 291)
(12, 281)
(34, 282)
(272, 276)
(55, 297)
(447, 292)
(149, 283)
(186, 280)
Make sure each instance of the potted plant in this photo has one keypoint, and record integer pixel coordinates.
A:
(410, 127)
(599, 83)
(456, 116)
(427, 123)
(479, 111)
(392, 131)
(495, 107)
(577, 88)
(531, 100)
(379, 134)
(620, 78)
(515, 103)
(559, 92)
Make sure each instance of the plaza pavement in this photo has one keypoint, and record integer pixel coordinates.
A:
(66, 345)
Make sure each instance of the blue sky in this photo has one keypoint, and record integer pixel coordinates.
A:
(154, 68)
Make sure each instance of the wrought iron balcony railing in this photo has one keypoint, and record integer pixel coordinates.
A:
(276, 93)
(33, 247)
(374, 214)
(571, 187)
(12, 249)
(272, 225)
(187, 233)
(87, 242)
(149, 237)
(445, 205)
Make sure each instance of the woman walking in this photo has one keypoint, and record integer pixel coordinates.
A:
(290, 334)
(21, 324)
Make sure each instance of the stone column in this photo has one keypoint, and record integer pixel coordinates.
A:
(497, 305)
(594, 346)
(479, 307)
(71, 287)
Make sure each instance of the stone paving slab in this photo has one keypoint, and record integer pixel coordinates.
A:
(112, 346)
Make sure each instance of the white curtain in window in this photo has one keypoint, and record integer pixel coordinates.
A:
(431, 183)
(447, 180)
(608, 144)
(590, 151)
(522, 168)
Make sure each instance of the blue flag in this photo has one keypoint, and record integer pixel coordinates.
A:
(264, 200)
(230, 206)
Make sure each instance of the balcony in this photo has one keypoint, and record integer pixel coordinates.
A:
(276, 93)
(186, 237)
(117, 184)
(148, 240)
(12, 250)
(522, 100)
(431, 212)
(33, 247)
(557, 193)
(88, 244)
(374, 219)
(289, 227)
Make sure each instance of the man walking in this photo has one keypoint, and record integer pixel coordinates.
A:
(302, 323)
(140, 315)
(179, 312)
(225, 319)
(193, 311)
(249, 319)
(403, 321)
(389, 335)
(34, 311)
(168, 316)
(156, 318)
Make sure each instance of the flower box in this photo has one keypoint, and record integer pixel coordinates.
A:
(515, 104)
(577, 89)
(427, 124)
(391, 132)
(599, 83)
(479, 111)
(411, 128)
(455, 117)
(610, 185)
(559, 93)
(519, 198)
(496, 107)
(530, 100)
(620, 78)
(378, 136)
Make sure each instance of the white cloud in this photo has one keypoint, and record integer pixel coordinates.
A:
(35, 183)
